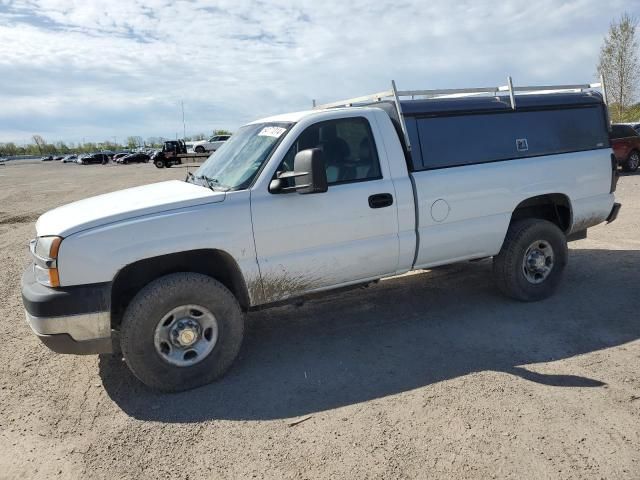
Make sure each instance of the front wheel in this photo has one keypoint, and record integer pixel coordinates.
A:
(181, 331)
(199, 149)
(159, 164)
(532, 260)
(633, 162)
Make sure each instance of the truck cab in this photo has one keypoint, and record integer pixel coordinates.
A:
(313, 201)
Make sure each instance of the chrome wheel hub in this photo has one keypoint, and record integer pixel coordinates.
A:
(538, 262)
(186, 335)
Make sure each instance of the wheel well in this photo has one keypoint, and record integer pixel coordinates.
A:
(214, 263)
(554, 207)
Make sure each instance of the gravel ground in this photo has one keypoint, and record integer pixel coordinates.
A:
(429, 375)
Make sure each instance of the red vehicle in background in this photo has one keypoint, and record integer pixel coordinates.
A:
(625, 142)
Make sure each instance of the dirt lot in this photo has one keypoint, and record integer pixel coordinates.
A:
(429, 375)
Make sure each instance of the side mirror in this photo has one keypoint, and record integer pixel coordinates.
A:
(309, 172)
(311, 164)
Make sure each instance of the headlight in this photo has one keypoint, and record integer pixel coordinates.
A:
(45, 254)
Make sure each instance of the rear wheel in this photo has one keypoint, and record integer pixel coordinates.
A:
(181, 331)
(532, 260)
(632, 163)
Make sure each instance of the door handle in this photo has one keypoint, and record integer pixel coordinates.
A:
(381, 200)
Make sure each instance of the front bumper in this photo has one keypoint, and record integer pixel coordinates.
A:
(72, 320)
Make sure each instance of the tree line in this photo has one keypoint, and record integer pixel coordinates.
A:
(39, 146)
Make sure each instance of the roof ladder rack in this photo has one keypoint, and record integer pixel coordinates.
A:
(509, 89)
(394, 94)
(403, 125)
(512, 96)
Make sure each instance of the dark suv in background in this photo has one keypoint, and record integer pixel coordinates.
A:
(625, 142)
(102, 158)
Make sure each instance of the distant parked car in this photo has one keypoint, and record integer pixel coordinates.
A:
(134, 158)
(58, 158)
(625, 142)
(70, 159)
(211, 145)
(46, 159)
(102, 158)
(120, 155)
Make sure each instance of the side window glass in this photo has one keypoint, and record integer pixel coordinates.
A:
(350, 152)
(509, 135)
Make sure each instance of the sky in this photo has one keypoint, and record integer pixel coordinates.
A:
(104, 70)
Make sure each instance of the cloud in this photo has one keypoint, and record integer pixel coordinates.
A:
(71, 68)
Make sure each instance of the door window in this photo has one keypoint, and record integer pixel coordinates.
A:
(349, 150)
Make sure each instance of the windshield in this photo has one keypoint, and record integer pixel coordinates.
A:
(235, 164)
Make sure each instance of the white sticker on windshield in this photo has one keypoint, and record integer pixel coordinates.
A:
(271, 132)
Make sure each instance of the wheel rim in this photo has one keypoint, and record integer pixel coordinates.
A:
(634, 161)
(159, 164)
(538, 262)
(186, 335)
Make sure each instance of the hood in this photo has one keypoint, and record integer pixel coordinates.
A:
(122, 205)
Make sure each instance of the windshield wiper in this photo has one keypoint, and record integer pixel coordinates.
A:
(213, 183)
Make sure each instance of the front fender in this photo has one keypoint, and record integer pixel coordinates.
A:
(97, 254)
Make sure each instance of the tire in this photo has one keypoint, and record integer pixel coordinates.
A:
(632, 163)
(142, 319)
(159, 164)
(533, 239)
(199, 149)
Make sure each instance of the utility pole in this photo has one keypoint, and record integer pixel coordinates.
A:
(184, 125)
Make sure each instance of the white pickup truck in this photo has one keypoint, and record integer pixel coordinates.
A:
(306, 202)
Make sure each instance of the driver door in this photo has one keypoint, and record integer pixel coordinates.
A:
(348, 234)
